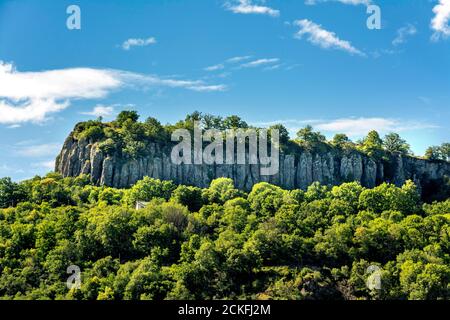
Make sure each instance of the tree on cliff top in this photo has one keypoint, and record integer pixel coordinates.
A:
(125, 116)
(393, 143)
(441, 152)
(310, 138)
(372, 145)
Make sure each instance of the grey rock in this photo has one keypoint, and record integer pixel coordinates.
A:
(296, 170)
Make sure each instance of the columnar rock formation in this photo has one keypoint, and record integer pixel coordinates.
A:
(296, 171)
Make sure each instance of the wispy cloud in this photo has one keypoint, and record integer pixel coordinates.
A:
(136, 42)
(323, 38)
(238, 59)
(351, 2)
(244, 62)
(248, 7)
(403, 33)
(260, 62)
(215, 67)
(38, 150)
(353, 127)
(6, 169)
(440, 22)
(425, 100)
(33, 96)
(48, 165)
(356, 127)
(100, 111)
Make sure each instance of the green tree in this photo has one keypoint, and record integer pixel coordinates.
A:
(110, 196)
(445, 151)
(393, 143)
(265, 199)
(156, 131)
(234, 122)
(148, 189)
(11, 193)
(433, 153)
(284, 133)
(126, 116)
(220, 191)
(341, 141)
(372, 145)
(309, 137)
(188, 196)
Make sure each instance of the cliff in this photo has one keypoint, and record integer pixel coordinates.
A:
(296, 170)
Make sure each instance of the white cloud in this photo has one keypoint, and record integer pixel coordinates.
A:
(128, 44)
(55, 84)
(353, 127)
(403, 33)
(100, 111)
(221, 66)
(8, 169)
(215, 67)
(238, 59)
(34, 110)
(323, 38)
(247, 7)
(440, 22)
(351, 2)
(208, 88)
(260, 62)
(155, 81)
(33, 96)
(357, 127)
(38, 150)
(274, 67)
(49, 165)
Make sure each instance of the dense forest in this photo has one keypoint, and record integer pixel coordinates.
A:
(185, 242)
(219, 242)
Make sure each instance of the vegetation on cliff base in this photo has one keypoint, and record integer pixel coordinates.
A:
(220, 243)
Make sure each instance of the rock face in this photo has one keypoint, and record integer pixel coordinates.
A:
(296, 171)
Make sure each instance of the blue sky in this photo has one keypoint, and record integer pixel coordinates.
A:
(296, 62)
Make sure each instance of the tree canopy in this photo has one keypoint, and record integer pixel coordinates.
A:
(219, 242)
(129, 138)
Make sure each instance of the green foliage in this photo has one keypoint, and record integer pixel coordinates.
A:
(393, 143)
(284, 133)
(89, 130)
(188, 196)
(220, 191)
(220, 243)
(265, 199)
(341, 141)
(388, 197)
(310, 139)
(441, 152)
(126, 117)
(148, 189)
(372, 145)
(128, 138)
(11, 193)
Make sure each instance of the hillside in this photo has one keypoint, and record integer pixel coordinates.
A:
(69, 235)
(120, 153)
(67, 239)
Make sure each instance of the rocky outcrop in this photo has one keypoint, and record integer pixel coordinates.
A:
(296, 170)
